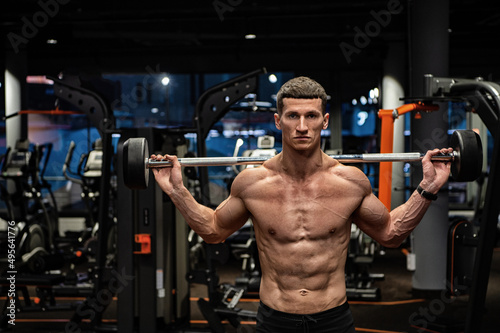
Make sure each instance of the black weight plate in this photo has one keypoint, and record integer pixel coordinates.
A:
(469, 164)
(135, 173)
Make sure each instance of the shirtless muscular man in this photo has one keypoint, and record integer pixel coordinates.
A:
(302, 203)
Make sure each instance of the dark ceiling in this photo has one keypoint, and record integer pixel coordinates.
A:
(208, 36)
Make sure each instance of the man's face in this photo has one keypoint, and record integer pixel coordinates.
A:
(301, 122)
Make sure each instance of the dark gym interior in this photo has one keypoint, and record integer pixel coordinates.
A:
(89, 244)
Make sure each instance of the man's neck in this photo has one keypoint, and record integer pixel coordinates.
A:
(301, 163)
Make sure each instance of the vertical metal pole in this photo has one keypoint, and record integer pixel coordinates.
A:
(392, 91)
(125, 248)
(102, 282)
(385, 169)
(146, 264)
(15, 76)
(429, 50)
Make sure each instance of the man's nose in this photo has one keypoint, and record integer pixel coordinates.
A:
(302, 125)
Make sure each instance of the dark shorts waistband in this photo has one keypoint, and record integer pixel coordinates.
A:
(319, 315)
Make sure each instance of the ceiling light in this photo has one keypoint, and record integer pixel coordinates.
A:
(250, 36)
(273, 78)
(52, 41)
(165, 81)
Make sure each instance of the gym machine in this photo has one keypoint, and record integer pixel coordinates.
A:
(360, 283)
(35, 224)
(88, 176)
(222, 298)
(70, 89)
(143, 276)
(36, 218)
(152, 246)
(483, 98)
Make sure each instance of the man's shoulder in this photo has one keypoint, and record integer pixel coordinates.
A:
(253, 174)
(250, 178)
(351, 174)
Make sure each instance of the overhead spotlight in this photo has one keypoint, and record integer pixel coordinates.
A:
(250, 36)
(376, 92)
(273, 78)
(52, 41)
(363, 100)
(165, 81)
(154, 110)
(354, 101)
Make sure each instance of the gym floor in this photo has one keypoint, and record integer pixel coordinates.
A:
(396, 312)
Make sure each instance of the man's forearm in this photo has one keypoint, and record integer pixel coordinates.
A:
(197, 216)
(406, 217)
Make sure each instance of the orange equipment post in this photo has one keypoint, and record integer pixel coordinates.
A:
(386, 144)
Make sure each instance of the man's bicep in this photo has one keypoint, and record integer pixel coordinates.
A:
(231, 215)
(372, 217)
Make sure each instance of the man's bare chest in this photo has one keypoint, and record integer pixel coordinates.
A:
(311, 210)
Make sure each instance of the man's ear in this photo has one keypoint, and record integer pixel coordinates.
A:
(277, 121)
(326, 118)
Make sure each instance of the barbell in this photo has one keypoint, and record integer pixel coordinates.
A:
(466, 159)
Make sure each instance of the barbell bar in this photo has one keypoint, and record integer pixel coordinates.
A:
(350, 158)
(466, 159)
